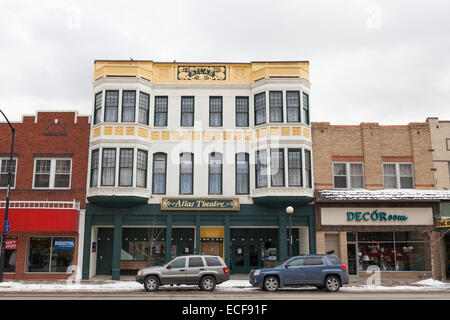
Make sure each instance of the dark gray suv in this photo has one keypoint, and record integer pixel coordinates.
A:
(321, 271)
(203, 270)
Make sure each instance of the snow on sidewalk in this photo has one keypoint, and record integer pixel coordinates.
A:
(231, 285)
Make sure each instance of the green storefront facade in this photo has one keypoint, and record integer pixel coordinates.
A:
(120, 239)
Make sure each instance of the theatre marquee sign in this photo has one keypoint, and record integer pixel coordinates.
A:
(200, 204)
(376, 216)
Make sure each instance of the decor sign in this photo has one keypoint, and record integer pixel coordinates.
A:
(374, 216)
(201, 73)
(200, 204)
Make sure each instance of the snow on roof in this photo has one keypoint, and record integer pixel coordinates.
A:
(385, 195)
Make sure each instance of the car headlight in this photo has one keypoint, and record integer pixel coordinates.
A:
(257, 272)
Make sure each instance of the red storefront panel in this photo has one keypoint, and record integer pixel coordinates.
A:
(41, 219)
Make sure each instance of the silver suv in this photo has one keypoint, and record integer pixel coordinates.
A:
(203, 270)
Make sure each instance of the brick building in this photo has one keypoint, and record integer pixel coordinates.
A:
(376, 199)
(440, 143)
(48, 193)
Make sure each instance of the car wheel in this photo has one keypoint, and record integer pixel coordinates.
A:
(271, 283)
(332, 284)
(208, 283)
(151, 284)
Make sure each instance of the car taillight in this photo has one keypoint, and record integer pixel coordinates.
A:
(225, 270)
(343, 266)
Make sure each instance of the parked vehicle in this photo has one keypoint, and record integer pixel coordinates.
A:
(321, 271)
(203, 270)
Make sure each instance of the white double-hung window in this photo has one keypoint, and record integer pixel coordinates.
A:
(398, 176)
(5, 167)
(52, 173)
(348, 175)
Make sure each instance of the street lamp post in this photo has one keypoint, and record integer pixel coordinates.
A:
(5, 233)
(290, 211)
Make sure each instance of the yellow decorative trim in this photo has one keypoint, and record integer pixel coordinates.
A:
(107, 131)
(154, 135)
(206, 135)
(186, 135)
(212, 232)
(96, 132)
(216, 135)
(296, 131)
(165, 135)
(118, 131)
(175, 135)
(239, 73)
(226, 135)
(285, 131)
(306, 133)
(142, 133)
(196, 135)
(129, 131)
(238, 135)
(274, 131)
(248, 135)
(260, 133)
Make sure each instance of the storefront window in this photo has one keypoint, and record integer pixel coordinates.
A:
(399, 251)
(50, 254)
(10, 255)
(62, 254)
(39, 254)
(413, 256)
(136, 246)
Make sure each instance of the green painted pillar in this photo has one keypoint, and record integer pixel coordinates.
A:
(282, 237)
(312, 235)
(87, 246)
(227, 240)
(117, 247)
(197, 234)
(168, 238)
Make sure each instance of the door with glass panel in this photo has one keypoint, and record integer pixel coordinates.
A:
(245, 257)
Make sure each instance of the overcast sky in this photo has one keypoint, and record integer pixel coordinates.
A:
(370, 60)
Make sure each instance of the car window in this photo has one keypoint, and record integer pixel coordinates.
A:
(213, 262)
(178, 263)
(296, 263)
(195, 262)
(313, 261)
(334, 260)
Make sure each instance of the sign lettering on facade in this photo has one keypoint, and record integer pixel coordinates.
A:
(200, 204)
(341, 216)
(443, 224)
(201, 73)
(374, 216)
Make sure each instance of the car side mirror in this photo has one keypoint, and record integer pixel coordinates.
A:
(168, 267)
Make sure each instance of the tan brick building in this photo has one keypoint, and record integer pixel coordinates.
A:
(376, 198)
(440, 143)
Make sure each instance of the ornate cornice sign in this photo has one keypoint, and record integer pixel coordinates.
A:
(200, 204)
(201, 73)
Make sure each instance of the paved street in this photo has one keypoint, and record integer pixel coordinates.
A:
(177, 294)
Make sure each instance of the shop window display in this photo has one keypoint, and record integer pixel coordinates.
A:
(10, 255)
(390, 251)
(136, 246)
(50, 254)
